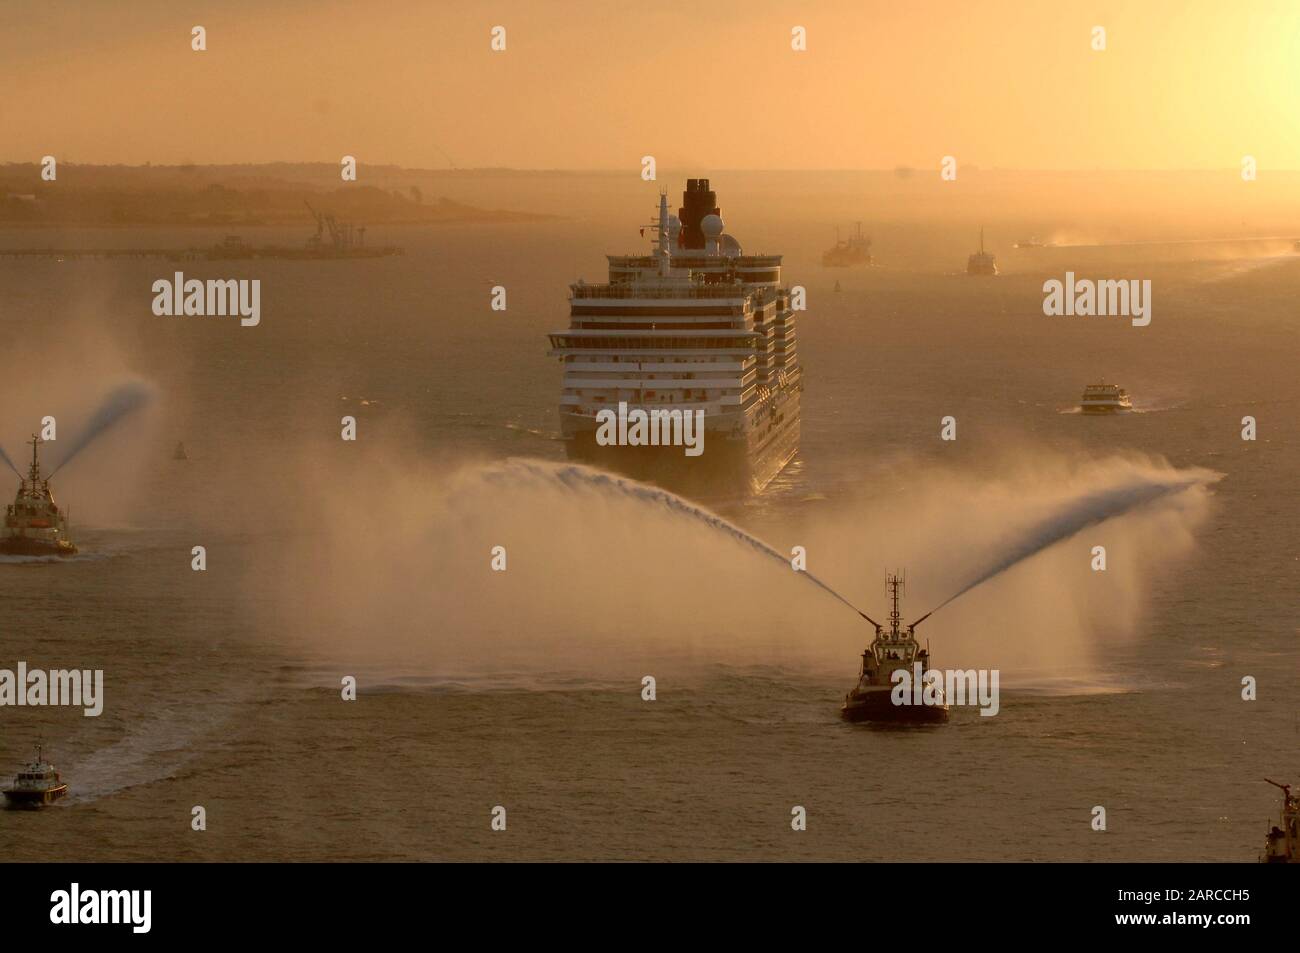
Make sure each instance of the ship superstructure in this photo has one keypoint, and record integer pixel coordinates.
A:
(34, 524)
(696, 326)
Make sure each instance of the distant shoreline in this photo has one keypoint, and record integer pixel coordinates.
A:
(525, 219)
(220, 197)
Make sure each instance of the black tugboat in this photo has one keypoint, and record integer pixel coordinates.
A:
(34, 525)
(36, 785)
(890, 651)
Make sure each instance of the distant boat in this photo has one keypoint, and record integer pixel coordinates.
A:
(982, 262)
(1030, 242)
(179, 453)
(837, 286)
(34, 524)
(36, 785)
(855, 250)
(1105, 398)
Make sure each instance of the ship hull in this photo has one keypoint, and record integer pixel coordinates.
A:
(878, 706)
(728, 465)
(27, 546)
(35, 798)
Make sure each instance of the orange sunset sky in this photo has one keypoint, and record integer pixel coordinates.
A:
(1188, 84)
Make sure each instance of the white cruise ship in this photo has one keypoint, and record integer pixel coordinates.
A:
(695, 328)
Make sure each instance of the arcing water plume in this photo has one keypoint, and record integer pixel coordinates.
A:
(602, 575)
(1070, 517)
(584, 478)
(5, 457)
(124, 400)
(606, 576)
(1134, 490)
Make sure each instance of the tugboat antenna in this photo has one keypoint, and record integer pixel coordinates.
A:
(896, 583)
(36, 467)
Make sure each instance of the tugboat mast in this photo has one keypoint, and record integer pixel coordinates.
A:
(896, 584)
(35, 474)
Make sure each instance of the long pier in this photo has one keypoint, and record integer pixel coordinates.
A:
(177, 254)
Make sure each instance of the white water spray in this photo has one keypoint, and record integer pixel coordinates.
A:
(1060, 523)
(1138, 490)
(606, 574)
(574, 477)
(123, 401)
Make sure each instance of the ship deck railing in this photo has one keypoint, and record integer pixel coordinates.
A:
(700, 290)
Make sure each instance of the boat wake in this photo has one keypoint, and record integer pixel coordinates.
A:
(36, 560)
(157, 748)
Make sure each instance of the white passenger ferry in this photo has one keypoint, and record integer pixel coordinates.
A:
(1105, 398)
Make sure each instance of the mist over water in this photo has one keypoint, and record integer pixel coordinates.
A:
(108, 408)
(1135, 489)
(9, 463)
(605, 575)
(584, 479)
(124, 400)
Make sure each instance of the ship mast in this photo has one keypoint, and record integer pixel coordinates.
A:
(895, 583)
(664, 253)
(35, 474)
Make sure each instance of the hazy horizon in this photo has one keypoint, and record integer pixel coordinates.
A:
(1180, 85)
(601, 170)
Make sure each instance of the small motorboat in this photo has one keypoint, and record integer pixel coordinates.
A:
(36, 785)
